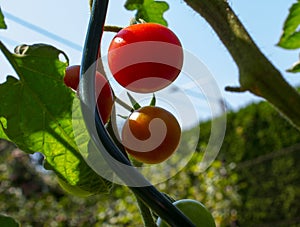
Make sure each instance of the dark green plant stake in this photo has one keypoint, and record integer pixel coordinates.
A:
(150, 196)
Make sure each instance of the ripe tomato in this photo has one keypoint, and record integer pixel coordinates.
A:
(71, 78)
(104, 94)
(151, 134)
(145, 57)
(195, 211)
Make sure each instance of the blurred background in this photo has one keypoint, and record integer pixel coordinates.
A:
(255, 180)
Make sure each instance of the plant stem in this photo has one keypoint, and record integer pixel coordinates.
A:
(256, 72)
(123, 104)
(146, 214)
(110, 28)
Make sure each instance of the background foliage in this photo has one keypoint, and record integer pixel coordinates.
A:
(265, 151)
(256, 180)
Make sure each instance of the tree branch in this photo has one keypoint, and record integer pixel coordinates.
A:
(256, 72)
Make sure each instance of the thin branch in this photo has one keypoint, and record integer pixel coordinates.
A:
(234, 89)
(124, 104)
(110, 28)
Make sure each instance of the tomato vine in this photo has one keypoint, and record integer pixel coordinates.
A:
(148, 194)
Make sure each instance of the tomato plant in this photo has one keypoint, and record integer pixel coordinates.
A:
(195, 211)
(104, 94)
(36, 108)
(151, 134)
(145, 57)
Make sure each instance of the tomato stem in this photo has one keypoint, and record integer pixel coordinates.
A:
(123, 104)
(112, 28)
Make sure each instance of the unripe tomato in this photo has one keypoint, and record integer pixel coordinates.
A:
(151, 134)
(145, 57)
(195, 211)
(104, 94)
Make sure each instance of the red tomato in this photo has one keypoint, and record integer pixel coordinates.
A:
(71, 78)
(145, 57)
(151, 134)
(104, 94)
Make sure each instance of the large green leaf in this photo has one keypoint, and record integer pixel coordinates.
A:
(2, 22)
(148, 10)
(8, 221)
(36, 114)
(290, 38)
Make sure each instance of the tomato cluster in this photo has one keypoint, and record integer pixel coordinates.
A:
(143, 58)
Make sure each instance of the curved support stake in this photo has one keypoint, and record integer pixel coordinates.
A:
(100, 137)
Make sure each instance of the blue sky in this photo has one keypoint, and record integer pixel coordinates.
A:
(68, 19)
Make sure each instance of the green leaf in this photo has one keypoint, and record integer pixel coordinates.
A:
(290, 38)
(2, 22)
(36, 114)
(148, 10)
(295, 68)
(8, 221)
